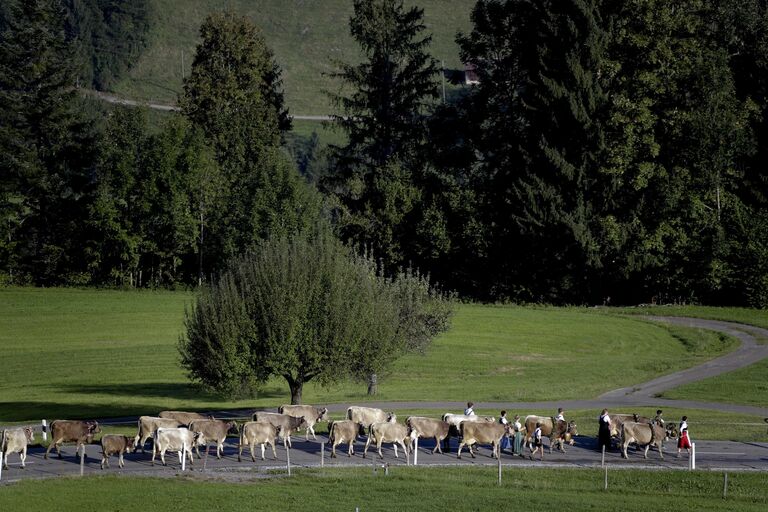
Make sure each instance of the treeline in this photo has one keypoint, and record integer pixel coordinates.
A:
(611, 152)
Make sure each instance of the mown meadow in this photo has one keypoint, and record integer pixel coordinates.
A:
(73, 353)
(404, 489)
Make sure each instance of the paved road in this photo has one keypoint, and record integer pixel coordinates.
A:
(711, 454)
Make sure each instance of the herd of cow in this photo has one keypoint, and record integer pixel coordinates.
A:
(184, 431)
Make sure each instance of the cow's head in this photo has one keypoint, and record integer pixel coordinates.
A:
(198, 438)
(671, 431)
(278, 430)
(323, 416)
(232, 427)
(572, 429)
(300, 422)
(93, 427)
(130, 445)
(391, 417)
(29, 433)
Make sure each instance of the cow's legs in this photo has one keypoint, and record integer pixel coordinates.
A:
(104, 460)
(461, 445)
(379, 442)
(661, 450)
(120, 461)
(367, 442)
(645, 453)
(5, 460)
(23, 457)
(219, 448)
(437, 446)
(314, 437)
(350, 448)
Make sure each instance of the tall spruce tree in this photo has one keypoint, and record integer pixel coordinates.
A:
(384, 100)
(44, 164)
(233, 94)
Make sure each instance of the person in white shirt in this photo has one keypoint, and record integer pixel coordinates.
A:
(469, 411)
(537, 443)
(517, 449)
(684, 441)
(604, 431)
(560, 416)
(504, 440)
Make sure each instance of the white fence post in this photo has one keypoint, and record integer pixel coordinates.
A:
(183, 456)
(499, 460)
(82, 459)
(606, 479)
(45, 430)
(1, 465)
(416, 451)
(288, 459)
(693, 456)
(602, 460)
(322, 455)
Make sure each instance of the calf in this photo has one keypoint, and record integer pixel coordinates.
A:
(68, 431)
(147, 427)
(115, 444)
(257, 432)
(387, 432)
(428, 427)
(215, 431)
(473, 432)
(344, 431)
(288, 424)
(183, 417)
(310, 414)
(644, 435)
(15, 440)
(177, 440)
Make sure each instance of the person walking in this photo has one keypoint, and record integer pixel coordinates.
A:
(560, 416)
(469, 411)
(504, 421)
(604, 431)
(684, 441)
(537, 443)
(658, 420)
(517, 448)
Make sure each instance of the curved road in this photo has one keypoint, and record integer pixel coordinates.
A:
(714, 455)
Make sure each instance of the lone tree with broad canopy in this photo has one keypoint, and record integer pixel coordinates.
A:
(306, 307)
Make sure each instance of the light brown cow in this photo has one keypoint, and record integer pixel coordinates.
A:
(15, 440)
(257, 432)
(367, 416)
(310, 414)
(344, 431)
(473, 432)
(115, 444)
(454, 421)
(641, 433)
(387, 432)
(178, 440)
(184, 417)
(288, 424)
(215, 431)
(69, 431)
(147, 427)
(559, 432)
(618, 419)
(428, 427)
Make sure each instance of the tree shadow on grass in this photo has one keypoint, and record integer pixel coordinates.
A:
(173, 390)
(33, 412)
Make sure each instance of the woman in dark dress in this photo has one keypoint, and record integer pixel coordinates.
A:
(604, 431)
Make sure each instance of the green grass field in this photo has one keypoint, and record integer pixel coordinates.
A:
(404, 489)
(71, 353)
(305, 36)
(748, 386)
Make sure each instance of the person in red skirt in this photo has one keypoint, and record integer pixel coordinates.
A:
(684, 441)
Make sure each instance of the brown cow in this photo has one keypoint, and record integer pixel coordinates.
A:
(310, 413)
(288, 424)
(428, 427)
(387, 432)
(344, 431)
(147, 427)
(473, 432)
(257, 432)
(454, 423)
(68, 431)
(184, 417)
(115, 444)
(641, 433)
(559, 433)
(215, 431)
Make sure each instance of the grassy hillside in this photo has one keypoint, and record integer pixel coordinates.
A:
(80, 353)
(305, 36)
(422, 488)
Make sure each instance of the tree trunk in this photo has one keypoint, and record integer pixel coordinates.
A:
(296, 386)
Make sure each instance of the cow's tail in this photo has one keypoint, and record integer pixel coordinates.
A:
(330, 431)
(280, 410)
(349, 413)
